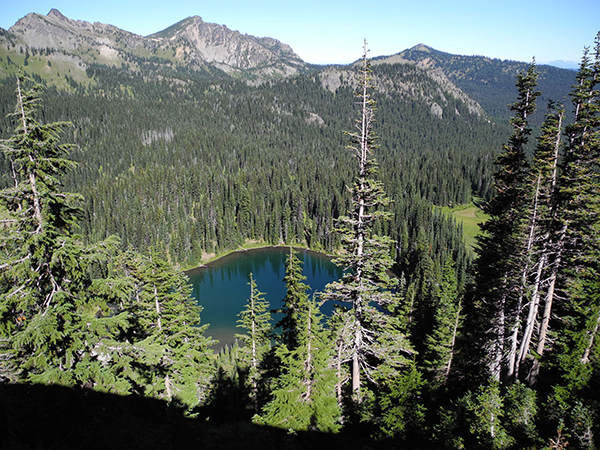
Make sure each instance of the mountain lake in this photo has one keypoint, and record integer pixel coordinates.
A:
(222, 286)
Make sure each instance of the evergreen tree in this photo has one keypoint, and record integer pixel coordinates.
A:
(522, 415)
(580, 197)
(502, 257)
(255, 319)
(486, 411)
(294, 302)
(172, 358)
(367, 336)
(441, 343)
(545, 241)
(51, 324)
(399, 409)
(304, 395)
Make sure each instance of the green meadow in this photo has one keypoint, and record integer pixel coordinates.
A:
(471, 217)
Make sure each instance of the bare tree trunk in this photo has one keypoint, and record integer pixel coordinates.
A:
(496, 352)
(549, 247)
(531, 317)
(254, 356)
(168, 387)
(586, 354)
(356, 362)
(157, 306)
(453, 343)
(339, 373)
(308, 365)
(514, 362)
(37, 207)
(363, 158)
(535, 369)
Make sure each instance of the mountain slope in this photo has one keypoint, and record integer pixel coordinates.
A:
(61, 50)
(490, 82)
(230, 50)
(192, 44)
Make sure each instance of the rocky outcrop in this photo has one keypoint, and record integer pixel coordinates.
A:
(58, 32)
(437, 75)
(230, 50)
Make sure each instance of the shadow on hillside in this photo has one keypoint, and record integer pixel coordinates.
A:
(57, 417)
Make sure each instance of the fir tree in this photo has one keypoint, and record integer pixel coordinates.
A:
(545, 241)
(580, 198)
(294, 301)
(485, 409)
(441, 343)
(52, 323)
(255, 319)
(172, 358)
(502, 257)
(304, 395)
(367, 336)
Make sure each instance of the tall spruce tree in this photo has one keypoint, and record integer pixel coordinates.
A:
(50, 322)
(502, 258)
(255, 319)
(368, 336)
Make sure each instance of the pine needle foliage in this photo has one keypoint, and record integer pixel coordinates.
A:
(255, 320)
(49, 317)
(368, 334)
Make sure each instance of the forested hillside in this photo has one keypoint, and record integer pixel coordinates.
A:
(203, 168)
(117, 176)
(489, 81)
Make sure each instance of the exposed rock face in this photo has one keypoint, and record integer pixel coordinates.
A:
(58, 32)
(436, 74)
(331, 79)
(191, 42)
(425, 82)
(226, 48)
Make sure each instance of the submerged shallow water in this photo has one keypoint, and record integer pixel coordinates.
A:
(222, 288)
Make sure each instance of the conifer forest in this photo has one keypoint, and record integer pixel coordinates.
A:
(111, 189)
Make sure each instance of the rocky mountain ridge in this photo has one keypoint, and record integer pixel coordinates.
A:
(488, 81)
(62, 51)
(191, 43)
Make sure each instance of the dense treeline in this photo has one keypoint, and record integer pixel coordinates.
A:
(86, 315)
(533, 313)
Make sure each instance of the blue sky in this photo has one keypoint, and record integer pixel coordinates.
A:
(323, 31)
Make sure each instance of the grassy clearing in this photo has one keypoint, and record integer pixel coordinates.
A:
(471, 218)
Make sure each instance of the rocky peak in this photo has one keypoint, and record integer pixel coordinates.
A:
(421, 48)
(190, 42)
(231, 50)
(56, 14)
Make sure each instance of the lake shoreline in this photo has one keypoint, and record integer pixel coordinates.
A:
(218, 259)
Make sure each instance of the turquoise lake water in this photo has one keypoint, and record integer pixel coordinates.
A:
(222, 287)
